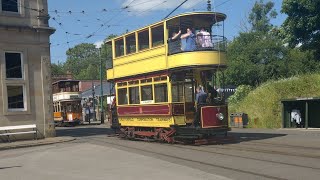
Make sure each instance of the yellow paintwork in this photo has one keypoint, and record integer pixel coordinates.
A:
(198, 58)
(138, 63)
(151, 121)
(180, 120)
(156, 59)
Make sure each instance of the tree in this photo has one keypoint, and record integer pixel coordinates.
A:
(255, 57)
(57, 69)
(82, 57)
(260, 16)
(302, 26)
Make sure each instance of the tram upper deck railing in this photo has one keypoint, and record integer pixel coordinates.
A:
(197, 43)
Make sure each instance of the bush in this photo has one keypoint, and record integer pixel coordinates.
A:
(263, 105)
(241, 92)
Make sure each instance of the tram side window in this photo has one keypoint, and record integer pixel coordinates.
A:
(134, 95)
(157, 36)
(143, 39)
(131, 44)
(146, 93)
(161, 93)
(177, 92)
(122, 96)
(119, 47)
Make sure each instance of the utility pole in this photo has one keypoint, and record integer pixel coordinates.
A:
(101, 89)
(209, 5)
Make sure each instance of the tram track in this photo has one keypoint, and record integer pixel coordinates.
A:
(197, 161)
(283, 145)
(246, 157)
(246, 148)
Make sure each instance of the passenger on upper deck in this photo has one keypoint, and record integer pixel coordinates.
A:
(175, 36)
(189, 44)
(204, 38)
(174, 44)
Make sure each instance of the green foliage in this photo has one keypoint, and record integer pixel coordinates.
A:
(57, 69)
(260, 16)
(255, 57)
(81, 59)
(302, 26)
(263, 105)
(260, 54)
(241, 92)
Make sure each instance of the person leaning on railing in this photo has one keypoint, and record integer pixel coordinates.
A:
(204, 38)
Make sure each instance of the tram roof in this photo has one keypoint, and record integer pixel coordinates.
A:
(215, 16)
(65, 81)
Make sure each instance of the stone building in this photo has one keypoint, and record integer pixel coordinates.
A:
(25, 89)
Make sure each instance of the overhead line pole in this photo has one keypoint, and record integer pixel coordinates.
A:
(175, 9)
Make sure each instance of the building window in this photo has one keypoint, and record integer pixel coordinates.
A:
(157, 36)
(134, 95)
(10, 5)
(161, 93)
(15, 97)
(131, 44)
(143, 37)
(122, 96)
(13, 65)
(119, 47)
(146, 93)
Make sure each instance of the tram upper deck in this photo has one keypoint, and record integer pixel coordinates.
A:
(150, 49)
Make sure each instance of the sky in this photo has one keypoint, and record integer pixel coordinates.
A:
(91, 21)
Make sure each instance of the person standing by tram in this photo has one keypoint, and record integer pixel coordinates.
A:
(201, 98)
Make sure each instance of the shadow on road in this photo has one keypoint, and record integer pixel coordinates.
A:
(83, 131)
(244, 136)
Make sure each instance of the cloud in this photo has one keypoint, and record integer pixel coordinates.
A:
(98, 44)
(150, 5)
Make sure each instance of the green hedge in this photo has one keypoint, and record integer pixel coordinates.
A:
(263, 104)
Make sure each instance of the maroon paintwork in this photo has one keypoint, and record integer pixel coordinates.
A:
(209, 118)
(144, 110)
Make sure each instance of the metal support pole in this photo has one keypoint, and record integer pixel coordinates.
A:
(307, 117)
(93, 102)
(101, 90)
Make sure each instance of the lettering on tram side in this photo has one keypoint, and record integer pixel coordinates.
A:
(154, 119)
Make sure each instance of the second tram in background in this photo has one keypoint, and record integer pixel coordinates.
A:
(156, 71)
(67, 102)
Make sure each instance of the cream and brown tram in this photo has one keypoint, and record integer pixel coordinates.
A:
(156, 79)
(67, 102)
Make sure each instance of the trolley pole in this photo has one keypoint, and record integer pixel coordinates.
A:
(101, 89)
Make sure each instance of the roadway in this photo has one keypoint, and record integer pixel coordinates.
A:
(98, 154)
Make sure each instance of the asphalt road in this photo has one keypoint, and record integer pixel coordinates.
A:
(97, 154)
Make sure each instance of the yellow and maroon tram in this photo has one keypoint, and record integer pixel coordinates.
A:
(66, 102)
(156, 77)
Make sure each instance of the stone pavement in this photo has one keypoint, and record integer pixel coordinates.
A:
(31, 143)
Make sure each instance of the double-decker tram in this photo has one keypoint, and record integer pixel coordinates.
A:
(166, 77)
(67, 102)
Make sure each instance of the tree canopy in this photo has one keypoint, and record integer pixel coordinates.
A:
(302, 26)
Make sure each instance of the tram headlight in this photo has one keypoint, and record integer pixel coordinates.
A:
(220, 116)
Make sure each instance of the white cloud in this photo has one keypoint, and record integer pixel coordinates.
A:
(149, 5)
(98, 44)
